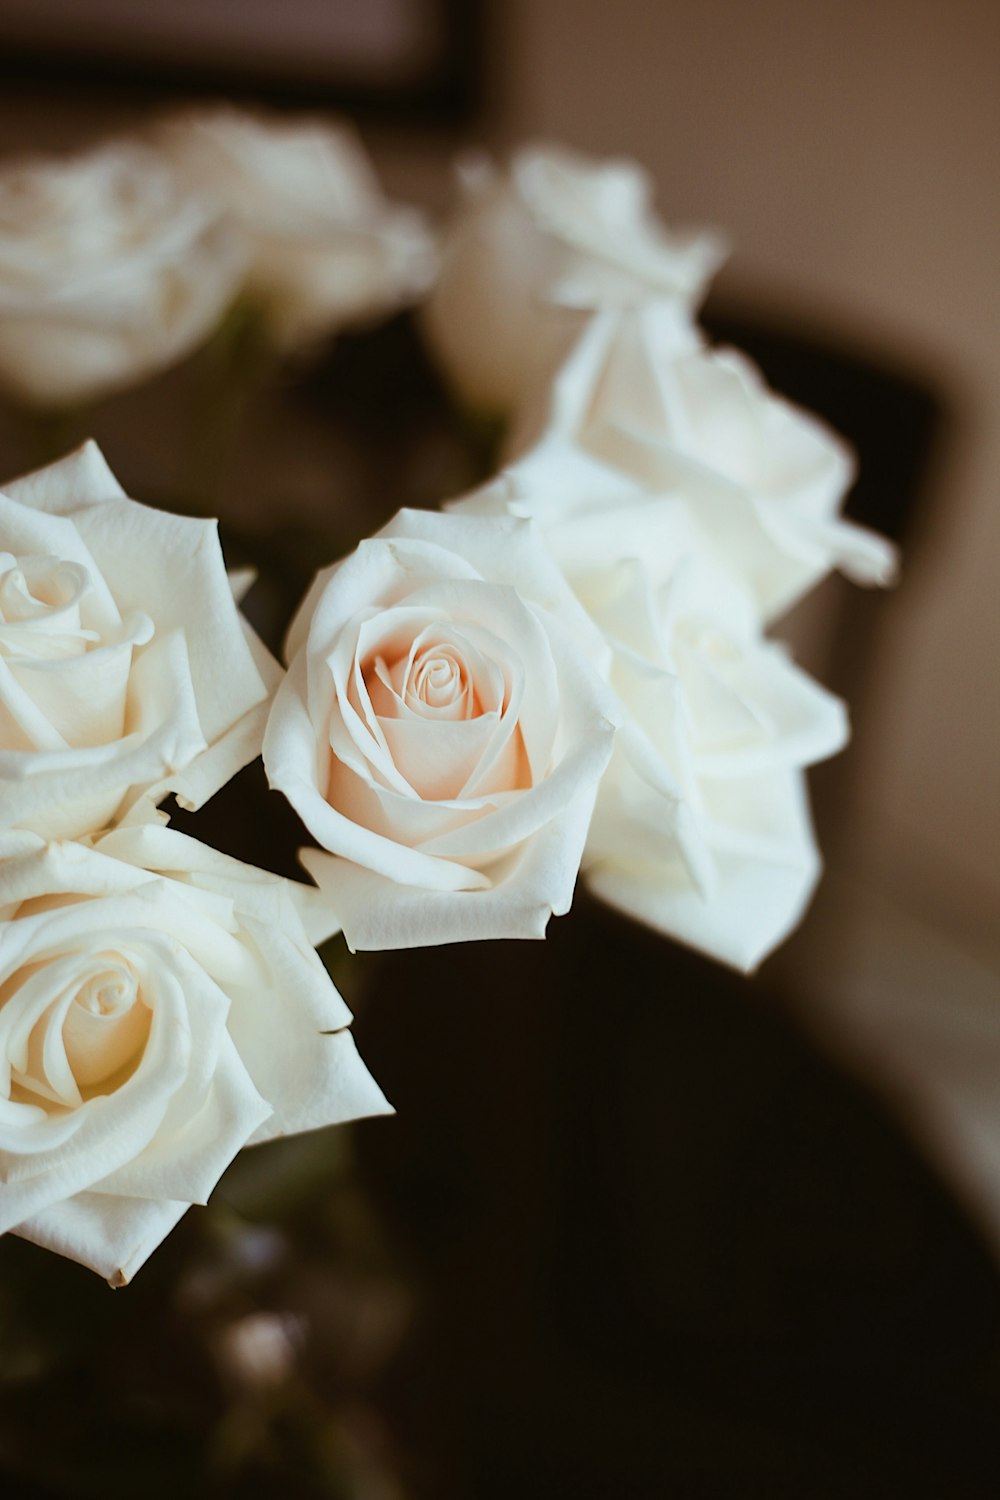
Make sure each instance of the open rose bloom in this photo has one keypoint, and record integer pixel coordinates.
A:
(161, 1006)
(533, 251)
(126, 670)
(643, 410)
(441, 732)
(109, 272)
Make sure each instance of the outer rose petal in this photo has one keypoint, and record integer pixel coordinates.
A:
(531, 885)
(756, 901)
(204, 774)
(326, 1084)
(112, 1236)
(188, 1162)
(186, 588)
(81, 479)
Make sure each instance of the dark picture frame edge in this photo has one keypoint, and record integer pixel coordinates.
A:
(446, 91)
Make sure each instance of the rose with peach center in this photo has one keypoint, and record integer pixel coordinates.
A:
(442, 733)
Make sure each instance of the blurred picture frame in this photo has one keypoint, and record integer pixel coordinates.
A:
(415, 59)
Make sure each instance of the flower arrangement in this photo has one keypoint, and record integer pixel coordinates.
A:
(564, 674)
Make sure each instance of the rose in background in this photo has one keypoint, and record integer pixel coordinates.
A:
(126, 669)
(643, 408)
(110, 271)
(161, 1006)
(325, 249)
(532, 251)
(441, 732)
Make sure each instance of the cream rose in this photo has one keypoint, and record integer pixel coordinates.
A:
(161, 1006)
(701, 826)
(642, 411)
(532, 250)
(441, 732)
(108, 272)
(326, 250)
(126, 670)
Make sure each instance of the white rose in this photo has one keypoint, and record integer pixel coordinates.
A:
(701, 825)
(641, 411)
(126, 669)
(442, 730)
(326, 249)
(530, 251)
(108, 272)
(161, 1006)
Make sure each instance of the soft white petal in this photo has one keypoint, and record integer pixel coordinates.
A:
(73, 791)
(226, 680)
(111, 1235)
(759, 892)
(81, 479)
(185, 1163)
(331, 1086)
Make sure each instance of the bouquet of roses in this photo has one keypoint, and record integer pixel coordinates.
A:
(563, 674)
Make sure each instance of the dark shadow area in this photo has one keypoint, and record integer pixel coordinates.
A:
(667, 1248)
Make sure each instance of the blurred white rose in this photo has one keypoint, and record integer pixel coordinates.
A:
(161, 1006)
(442, 730)
(326, 249)
(532, 250)
(108, 272)
(701, 826)
(126, 669)
(642, 408)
